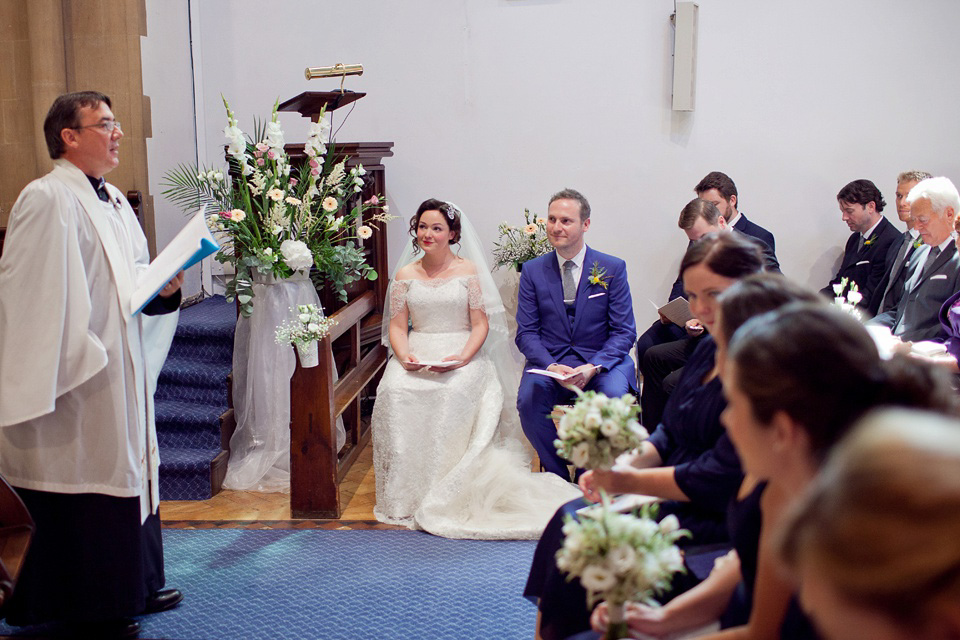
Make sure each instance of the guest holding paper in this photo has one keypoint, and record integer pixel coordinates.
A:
(874, 541)
(77, 437)
(574, 316)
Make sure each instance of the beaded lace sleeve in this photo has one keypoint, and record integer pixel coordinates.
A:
(398, 296)
(475, 294)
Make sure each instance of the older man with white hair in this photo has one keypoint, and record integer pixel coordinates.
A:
(914, 299)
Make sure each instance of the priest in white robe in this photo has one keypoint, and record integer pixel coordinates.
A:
(77, 375)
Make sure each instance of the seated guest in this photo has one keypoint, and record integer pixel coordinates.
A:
(688, 461)
(874, 542)
(718, 189)
(933, 274)
(796, 380)
(661, 364)
(865, 256)
(900, 252)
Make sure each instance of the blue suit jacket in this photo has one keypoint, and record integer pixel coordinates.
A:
(603, 330)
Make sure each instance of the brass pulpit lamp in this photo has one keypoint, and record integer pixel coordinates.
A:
(339, 69)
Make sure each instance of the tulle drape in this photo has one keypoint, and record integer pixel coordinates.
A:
(260, 447)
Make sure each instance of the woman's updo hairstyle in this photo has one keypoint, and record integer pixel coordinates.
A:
(726, 253)
(450, 213)
(757, 294)
(820, 366)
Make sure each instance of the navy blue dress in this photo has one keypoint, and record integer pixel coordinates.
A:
(691, 439)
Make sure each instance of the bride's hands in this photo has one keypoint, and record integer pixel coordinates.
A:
(410, 363)
(456, 361)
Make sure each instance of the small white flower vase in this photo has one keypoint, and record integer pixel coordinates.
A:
(309, 354)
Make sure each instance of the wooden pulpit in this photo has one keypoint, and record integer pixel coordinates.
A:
(351, 352)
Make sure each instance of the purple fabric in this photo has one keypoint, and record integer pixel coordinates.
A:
(950, 320)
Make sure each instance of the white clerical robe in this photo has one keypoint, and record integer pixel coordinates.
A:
(77, 372)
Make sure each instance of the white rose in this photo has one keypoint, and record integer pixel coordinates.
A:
(609, 428)
(669, 524)
(593, 419)
(670, 559)
(580, 454)
(268, 251)
(597, 578)
(573, 541)
(304, 317)
(854, 297)
(644, 528)
(621, 558)
(296, 254)
(313, 327)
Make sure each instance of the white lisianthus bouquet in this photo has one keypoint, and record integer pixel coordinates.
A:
(307, 324)
(848, 302)
(597, 429)
(621, 557)
(276, 219)
(516, 245)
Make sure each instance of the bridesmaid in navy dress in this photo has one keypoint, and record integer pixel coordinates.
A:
(689, 461)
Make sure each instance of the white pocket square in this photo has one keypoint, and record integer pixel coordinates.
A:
(942, 276)
(862, 262)
(603, 294)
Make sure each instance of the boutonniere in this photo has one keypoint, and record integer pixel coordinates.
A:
(869, 242)
(598, 275)
(918, 243)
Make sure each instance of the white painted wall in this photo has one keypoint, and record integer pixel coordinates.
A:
(496, 104)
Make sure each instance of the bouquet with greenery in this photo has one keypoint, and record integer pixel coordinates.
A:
(516, 245)
(597, 429)
(306, 325)
(621, 557)
(276, 219)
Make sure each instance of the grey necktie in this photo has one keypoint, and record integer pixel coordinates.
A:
(934, 252)
(569, 286)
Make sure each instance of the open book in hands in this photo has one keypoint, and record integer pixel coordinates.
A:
(558, 376)
(435, 363)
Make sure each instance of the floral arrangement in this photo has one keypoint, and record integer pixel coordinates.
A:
(516, 245)
(598, 275)
(597, 429)
(307, 324)
(849, 301)
(276, 219)
(621, 557)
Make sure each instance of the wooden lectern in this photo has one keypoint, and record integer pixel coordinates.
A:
(352, 350)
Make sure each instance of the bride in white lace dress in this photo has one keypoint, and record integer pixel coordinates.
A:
(448, 451)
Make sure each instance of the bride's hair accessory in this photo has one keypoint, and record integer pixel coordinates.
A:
(451, 210)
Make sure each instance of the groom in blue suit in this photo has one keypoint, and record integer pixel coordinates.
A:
(568, 324)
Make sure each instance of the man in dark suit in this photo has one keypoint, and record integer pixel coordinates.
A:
(865, 256)
(662, 364)
(900, 252)
(932, 273)
(574, 316)
(718, 189)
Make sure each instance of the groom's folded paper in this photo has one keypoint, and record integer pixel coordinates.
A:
(190, 246)
(557, 376)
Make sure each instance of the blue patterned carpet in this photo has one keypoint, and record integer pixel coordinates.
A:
(342, 584)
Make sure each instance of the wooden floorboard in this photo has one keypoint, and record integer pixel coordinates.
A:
(258, 510)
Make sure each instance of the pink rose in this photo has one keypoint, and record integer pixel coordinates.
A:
(272, 154)
(260, 162)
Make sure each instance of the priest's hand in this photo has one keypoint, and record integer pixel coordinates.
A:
(173, 286)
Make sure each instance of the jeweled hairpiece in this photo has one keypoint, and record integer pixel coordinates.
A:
(451, 210)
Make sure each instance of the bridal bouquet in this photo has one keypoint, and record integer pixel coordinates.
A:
(276, 219)
(516, 245)
(306, 327)
(849, 302)
(621, 557)
(597, 429)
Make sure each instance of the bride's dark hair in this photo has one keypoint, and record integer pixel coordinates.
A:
(450, 213)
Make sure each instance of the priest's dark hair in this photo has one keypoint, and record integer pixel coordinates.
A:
(818, 365)
(726, 253)
(449, 212)
(861, 192)
(63, 115)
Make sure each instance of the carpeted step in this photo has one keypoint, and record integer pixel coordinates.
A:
(185, 472)
(191, 396)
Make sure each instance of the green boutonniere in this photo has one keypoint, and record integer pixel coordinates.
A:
(598, 275)
(869, 242)
(918, 243)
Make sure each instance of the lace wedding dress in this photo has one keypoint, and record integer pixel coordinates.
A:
(438, 461)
